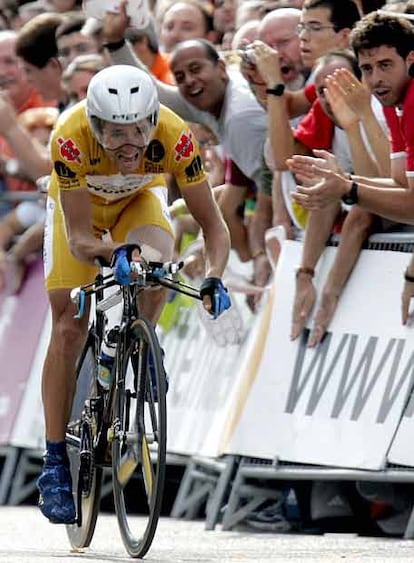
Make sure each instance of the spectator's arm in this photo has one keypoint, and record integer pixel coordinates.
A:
(259, 223)
(257, 227)
(231, 201)
(297, 103)
(280, 133)
(395, 203)
(281, 215)
(34, 157)
(359, 100)
(28, 242)
(351, 103)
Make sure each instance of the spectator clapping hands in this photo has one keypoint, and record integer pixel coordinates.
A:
(343, 87)
(305, 168)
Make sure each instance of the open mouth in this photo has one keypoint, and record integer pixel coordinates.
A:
(128, 158)
(196, 92)
(5, 82)
(382, 92)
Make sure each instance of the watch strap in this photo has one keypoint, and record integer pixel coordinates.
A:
(277, 89)
(351, 198)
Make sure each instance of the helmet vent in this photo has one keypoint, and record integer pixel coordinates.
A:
(113, 91)
(135, 90)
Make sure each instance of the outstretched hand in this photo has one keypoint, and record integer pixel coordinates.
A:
(355, 93)
(115, 24)
(338, 100)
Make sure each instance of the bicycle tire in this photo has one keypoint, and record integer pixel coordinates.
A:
(139, 441)
(86, 476)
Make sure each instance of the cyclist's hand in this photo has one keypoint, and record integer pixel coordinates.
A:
(121, 262)
(215, 296)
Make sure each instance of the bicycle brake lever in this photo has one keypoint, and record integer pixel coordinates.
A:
(78, 297)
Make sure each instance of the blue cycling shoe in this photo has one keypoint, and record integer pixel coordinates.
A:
(55, 488)
(151, 368)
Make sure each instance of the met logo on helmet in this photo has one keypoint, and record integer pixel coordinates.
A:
(125, 117)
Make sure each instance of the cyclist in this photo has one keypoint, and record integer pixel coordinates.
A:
(110, 154)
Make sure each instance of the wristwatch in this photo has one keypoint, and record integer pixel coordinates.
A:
(277, 90)
(351, 197)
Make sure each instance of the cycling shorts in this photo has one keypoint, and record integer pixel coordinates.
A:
(64, 271)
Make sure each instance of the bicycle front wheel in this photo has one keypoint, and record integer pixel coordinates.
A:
(139, 441)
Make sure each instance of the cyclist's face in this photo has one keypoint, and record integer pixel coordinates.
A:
(125, 144)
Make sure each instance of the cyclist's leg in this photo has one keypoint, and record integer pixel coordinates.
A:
(145, 221)
(58, 384)
(63, 272)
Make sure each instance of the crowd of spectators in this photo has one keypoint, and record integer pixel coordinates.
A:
(278, 93)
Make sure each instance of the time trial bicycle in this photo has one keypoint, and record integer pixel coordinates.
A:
(125, 426)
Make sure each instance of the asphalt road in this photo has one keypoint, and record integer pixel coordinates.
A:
(25, 536)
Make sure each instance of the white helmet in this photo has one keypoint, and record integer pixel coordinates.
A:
(122, 94)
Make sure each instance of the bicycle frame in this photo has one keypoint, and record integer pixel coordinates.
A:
(148, 274)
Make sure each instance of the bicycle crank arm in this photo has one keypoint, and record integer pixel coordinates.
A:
(129, 462)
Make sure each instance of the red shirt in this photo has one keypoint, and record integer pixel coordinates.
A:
(401, 126)
(316, 129)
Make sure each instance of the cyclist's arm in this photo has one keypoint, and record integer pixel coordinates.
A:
(201, 204)
(77, 210)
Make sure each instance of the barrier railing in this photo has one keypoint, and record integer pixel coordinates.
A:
(210, 390)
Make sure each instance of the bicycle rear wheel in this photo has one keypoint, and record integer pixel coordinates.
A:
(80, 437)
(139, 441)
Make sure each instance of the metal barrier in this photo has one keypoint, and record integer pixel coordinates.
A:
(206, 483)
(223, 486)
(243, 495)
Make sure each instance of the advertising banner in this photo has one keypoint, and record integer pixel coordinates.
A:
(22, 318)
(338, 404)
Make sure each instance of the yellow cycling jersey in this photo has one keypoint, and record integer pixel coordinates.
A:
(80, 162)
